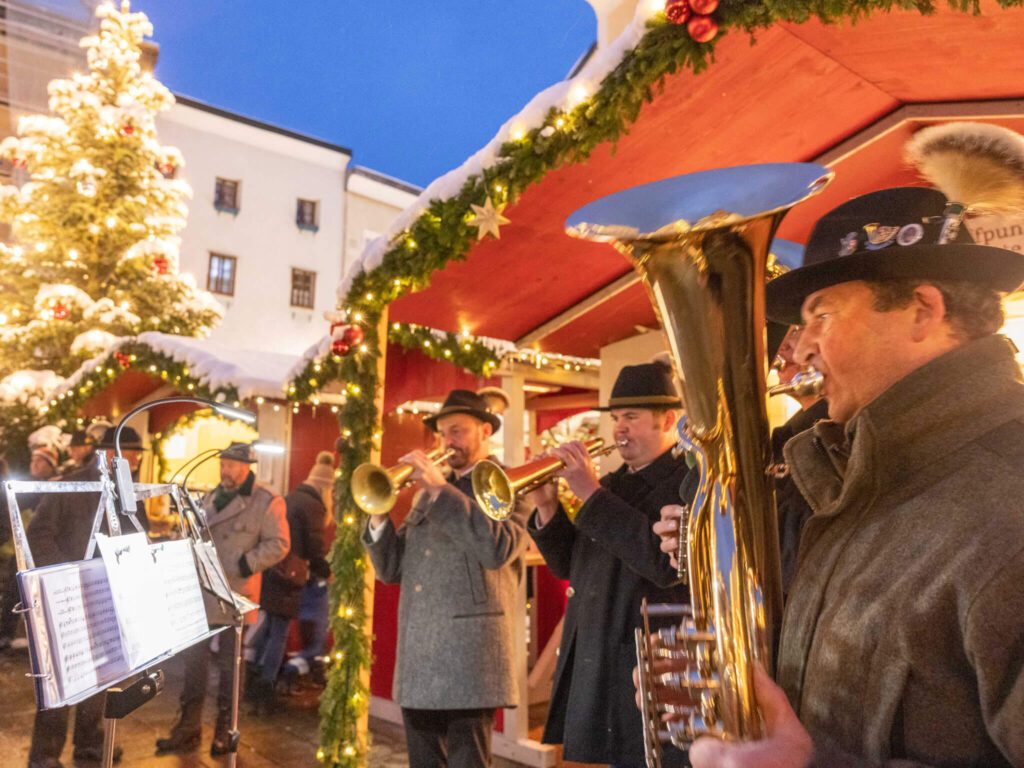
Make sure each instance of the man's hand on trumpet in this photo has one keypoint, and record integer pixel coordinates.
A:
(667, 530)
(579, 472)
(425, 472)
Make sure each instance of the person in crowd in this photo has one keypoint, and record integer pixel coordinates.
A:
(250, 531)
(281, 591)
(460, 573)
(81, 451)
(904, 628)
(59, 532)
(612, 560)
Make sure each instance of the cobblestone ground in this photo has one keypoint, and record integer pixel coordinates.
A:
(288, 738)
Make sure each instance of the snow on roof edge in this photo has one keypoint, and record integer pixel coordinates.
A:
(562, 94)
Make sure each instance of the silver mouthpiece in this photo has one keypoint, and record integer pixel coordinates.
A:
(808, 382)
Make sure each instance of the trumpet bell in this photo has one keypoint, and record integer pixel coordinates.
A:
(374, 489)
(493, 490)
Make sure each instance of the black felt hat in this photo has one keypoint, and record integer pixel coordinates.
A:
(648, 385)
(891, 234)
(80, 438)
(130, 439)
(465, 401)
(243, 452)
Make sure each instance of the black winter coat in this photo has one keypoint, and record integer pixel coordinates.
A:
(793, 509)
(307, 517)
(612, 560)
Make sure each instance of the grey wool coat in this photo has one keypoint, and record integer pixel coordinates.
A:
(903, 637)
(460, 573)
(252, 529)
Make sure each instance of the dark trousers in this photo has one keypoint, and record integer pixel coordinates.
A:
(50, 730)
(459, 738)
(197, 670)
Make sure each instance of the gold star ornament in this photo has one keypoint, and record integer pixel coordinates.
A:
(487, 219)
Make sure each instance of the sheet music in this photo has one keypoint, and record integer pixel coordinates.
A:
(138, 593)
(177, 567)
(85, 640)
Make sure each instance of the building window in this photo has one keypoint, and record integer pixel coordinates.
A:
(221, 277)
(303, 288)
(225, 195)
(306, 214)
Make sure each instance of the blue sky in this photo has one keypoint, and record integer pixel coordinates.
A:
(412, 88)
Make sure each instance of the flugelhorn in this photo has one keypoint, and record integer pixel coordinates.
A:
(375, 488)
(701, 243)
(496, 489)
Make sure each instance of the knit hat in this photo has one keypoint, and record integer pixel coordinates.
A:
(321, 475)
(47, 454)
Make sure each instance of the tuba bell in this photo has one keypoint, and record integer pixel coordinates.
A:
(701, 243)
(375, 488)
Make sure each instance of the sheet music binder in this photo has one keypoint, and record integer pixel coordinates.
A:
(76, 644)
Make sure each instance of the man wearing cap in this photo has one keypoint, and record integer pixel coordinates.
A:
(250, 531)
(612, 560)
(460, 573)
(903, 636)
(81, 450)
(59, 533)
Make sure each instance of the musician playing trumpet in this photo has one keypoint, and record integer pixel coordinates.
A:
(460, 573)
(612, 560)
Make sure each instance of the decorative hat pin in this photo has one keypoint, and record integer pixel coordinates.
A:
(977, 166)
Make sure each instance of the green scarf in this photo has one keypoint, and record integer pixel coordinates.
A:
(222, 496)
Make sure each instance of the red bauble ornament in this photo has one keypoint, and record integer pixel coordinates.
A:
(703, 7)
(60, 312)
(353, 335)
(677, 11)
(161, 265)
(122, 359)
(702, 28)
(127, 129)
(167, 169)
(18, 162)
(340, 347)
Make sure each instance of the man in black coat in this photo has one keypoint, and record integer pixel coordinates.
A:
(612, 560)
(59, 533)
(279, 596)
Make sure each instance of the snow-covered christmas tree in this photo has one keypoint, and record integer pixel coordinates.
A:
(96, 226)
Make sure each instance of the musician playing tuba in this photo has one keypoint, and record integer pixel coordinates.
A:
(903, 636)
(611, 558)
(460, 573)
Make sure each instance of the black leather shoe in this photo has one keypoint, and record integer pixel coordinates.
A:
(180, 740)
(46, 762)
(94, 754)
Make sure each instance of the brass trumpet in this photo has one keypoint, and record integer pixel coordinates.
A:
(808, 382)
(375, 488)
(496, 489)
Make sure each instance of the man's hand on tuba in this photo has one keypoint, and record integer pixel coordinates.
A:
(785, 745)
(667, 530)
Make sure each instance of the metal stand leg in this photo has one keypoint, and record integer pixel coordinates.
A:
(109, 730)
(235, 736)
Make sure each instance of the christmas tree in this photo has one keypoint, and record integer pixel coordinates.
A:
(95, 227)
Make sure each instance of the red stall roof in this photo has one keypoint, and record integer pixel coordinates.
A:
(846, 95)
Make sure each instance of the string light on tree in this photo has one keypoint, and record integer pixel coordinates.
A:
(95, 150)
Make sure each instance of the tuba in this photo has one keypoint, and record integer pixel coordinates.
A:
(700, 243)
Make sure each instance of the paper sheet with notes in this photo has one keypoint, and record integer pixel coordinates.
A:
(93, 622)
(85, 639)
